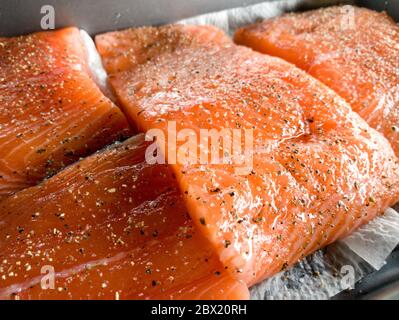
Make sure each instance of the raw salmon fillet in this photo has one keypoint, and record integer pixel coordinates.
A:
(319, 171)
(51, 111)
(354, 51)
(112, 227)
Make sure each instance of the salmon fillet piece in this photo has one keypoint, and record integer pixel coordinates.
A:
(352, 50)
(51, 111)
(318, 170)
(112, 227)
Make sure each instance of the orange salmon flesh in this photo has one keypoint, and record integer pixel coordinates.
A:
(51, 111)
(115, 228)
(312, 107)
(319, 171)
(354, 51)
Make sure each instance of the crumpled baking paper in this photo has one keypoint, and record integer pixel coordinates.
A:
(328, 271)
(97, 71)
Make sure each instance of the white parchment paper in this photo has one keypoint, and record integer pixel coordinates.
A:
(97, 71)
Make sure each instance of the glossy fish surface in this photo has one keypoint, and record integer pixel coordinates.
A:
(110, 226)
(317, 171)
(354, 51)
(51, 111)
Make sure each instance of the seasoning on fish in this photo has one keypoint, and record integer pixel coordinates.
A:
(315, 167)
(354, 51)
(134, 242)
(51, 111)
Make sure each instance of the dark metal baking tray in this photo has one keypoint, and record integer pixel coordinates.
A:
(96, 16)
